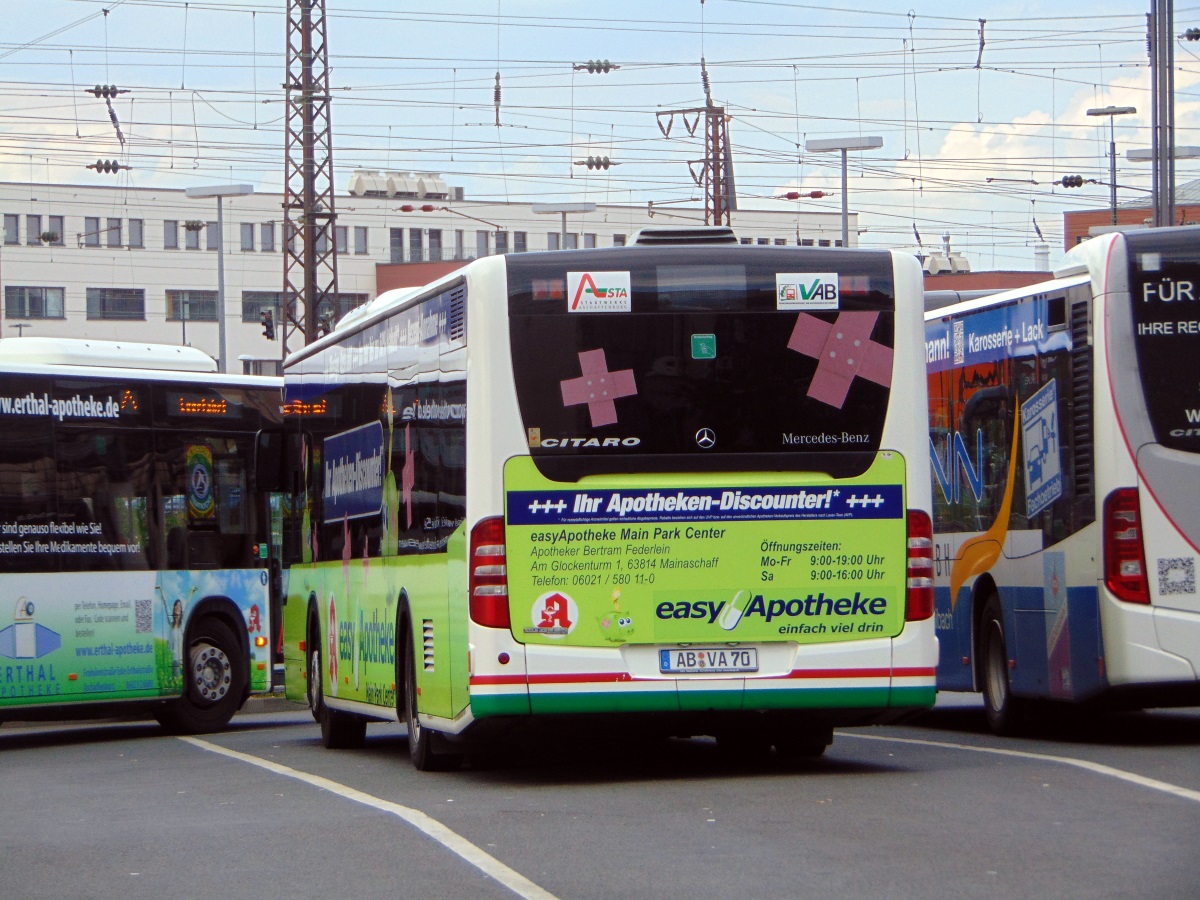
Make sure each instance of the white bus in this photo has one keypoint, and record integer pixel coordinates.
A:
(679, 484)
(1065, 450)
(135, 546)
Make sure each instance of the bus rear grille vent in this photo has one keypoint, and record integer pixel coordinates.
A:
(427, 643)
(697, 234)
(458, 314)
(1081, 397)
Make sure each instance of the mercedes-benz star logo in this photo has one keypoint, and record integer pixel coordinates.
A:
(706, 438)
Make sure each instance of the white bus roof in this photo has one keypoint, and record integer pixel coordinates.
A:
(104, 354)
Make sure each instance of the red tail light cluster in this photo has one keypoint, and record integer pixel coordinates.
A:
(920, 566)
(1124, 556)
(487, 579)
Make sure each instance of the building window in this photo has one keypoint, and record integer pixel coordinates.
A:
(481, 244)
(618, 240)
(248, 237)
(91, 231)
(330, 311)
(780, 242)
(33, 230)
(414, 245)
(191, 236)
(838, 242)
(460, 243)
(254, 303)
(823, 243)
(170, 235)
(520, 242)
(12, 228)
(501, 243)
(341, 237)
(293, 231)
(396, 244)
(551, 240)
(114, 233)
(361, 245)
(747, 240)
(192, 306)
(266, 237)
(116, 303)
(806, 242)
(211, 238)
(589, 241)
(572, 241)
(57, 228)
(33, 302)
(137, 233)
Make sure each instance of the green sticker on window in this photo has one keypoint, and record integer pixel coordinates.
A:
(704, 346)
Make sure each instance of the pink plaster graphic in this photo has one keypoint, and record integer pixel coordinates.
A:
(844, 351)
(408, 476)
(598, 387)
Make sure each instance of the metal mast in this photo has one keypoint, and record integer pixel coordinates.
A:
(309, 247)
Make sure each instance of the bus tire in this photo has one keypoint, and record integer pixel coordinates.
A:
(215, 679)
(1005, 713)
(314, 683)
(423, 745)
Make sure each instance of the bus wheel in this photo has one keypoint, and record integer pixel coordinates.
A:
(421, 741)
(214, 682)
(313, 687)
(1005, 713)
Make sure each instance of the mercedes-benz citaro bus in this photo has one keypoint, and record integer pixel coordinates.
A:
(1065, 448)
(136, 543)
(680, 485)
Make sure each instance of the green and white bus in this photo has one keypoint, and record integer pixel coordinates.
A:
(680, 484)
(135, 545)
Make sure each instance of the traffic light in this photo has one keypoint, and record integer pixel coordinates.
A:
(268, 324)
(108, 166)
(1072, 181)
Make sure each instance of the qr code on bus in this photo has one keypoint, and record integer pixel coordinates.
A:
(1177, 575)
(143, 611)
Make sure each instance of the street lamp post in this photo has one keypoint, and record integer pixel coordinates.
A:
(563, 208)
(1112, 112)
(845, 145)
(221, 191)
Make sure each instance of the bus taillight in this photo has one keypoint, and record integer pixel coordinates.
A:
(1124, 557)
(920, 566)
(488, 576)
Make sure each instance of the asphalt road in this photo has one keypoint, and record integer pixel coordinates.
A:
(934, 808)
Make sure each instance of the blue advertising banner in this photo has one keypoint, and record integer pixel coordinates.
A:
(354, 469)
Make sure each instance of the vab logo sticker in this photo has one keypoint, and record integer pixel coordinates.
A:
(814, 290)
(554, 614)
(598, 291)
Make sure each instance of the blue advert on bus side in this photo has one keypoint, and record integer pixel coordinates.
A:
(990, 335)
(353, 470)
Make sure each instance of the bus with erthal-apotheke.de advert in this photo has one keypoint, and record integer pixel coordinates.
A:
(1065, 451)
(135, 547)
(678, 485)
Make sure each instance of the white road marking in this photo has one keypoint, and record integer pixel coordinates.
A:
(456, 843)
(1098, 768)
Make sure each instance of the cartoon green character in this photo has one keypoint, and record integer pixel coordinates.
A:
(617, 625)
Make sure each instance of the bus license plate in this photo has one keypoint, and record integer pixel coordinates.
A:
(708, 660)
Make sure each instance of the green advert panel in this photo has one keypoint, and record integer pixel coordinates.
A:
(720, 559)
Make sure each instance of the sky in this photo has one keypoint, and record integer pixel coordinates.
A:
(980, 120)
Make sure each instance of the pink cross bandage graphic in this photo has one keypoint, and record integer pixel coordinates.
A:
(598, 387)
(844, 351)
